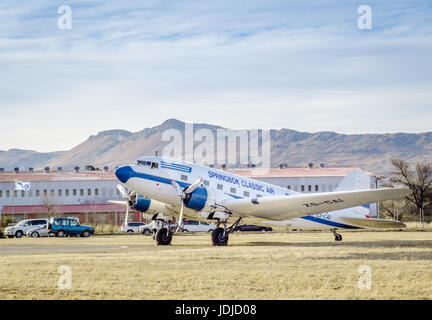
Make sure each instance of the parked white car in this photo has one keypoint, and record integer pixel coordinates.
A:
(146, 229)
(197, 226)
(132, 226)
(39, 231)
(21, 228)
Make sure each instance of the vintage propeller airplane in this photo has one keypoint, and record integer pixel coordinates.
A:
(164, 188)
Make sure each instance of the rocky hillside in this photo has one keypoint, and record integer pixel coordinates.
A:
(116, 147)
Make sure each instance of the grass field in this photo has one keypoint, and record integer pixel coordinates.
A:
(254, 266)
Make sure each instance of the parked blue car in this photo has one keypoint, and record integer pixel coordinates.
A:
(63, 227)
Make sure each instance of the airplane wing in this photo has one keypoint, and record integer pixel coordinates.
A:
(299, 205)
(373, 223)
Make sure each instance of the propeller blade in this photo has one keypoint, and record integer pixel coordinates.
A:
(123, 203)
(127, 215)
(122, 190)
(193, 186)
(177, 187)
(180, 222)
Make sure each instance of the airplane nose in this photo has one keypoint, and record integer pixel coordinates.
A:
(123, 173)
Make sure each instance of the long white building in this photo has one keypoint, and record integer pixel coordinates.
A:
(84, 194)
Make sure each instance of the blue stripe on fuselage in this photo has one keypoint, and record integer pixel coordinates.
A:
(330, 223)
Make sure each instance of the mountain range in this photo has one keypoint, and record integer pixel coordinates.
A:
(112, 148)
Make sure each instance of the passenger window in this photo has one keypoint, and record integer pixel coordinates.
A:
(65, 222)
(206, 183)
(183, 177)
(258, 195)
(233, 190)
(246, 193)
(220, 187)
(73, 223)
(154, 165)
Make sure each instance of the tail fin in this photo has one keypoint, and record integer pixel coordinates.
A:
(356, 180)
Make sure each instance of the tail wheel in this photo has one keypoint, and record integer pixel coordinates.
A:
(163, 237)
(218, 237)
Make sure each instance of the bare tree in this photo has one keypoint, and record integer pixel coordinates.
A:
(418, 180)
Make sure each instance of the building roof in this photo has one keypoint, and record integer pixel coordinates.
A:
(70, 208)
(296, 172)
(29, 176)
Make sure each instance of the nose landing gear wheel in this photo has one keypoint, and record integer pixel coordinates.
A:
(219, 238)
(163, 237)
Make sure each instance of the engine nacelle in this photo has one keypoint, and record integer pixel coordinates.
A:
(197, 199)
(141, 204)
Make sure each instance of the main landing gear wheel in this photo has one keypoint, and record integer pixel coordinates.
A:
(338, 237)
(219, 237)
(163, 237)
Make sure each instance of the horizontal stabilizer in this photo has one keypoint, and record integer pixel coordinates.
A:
(373, 223)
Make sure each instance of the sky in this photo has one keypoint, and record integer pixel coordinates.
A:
(132, 64)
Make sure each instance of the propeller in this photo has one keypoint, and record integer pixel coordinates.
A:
(183, 194)
(128, 199)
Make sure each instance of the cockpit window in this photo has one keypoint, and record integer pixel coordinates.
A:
(152, 165)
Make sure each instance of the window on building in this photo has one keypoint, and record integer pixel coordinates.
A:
(67, 192)
(219, 186)
(96, 192)
(309, 188)
(302, 188)
(52, 192)
(74, 192)
(184, 177)
(316, 188)
(59, 192)
(15, 194)
(89, 192)
(1, 193)
(81, 192)
(233, 190)
(8, 193)
(246, 193)
(37, 193)
(45, 193)
(22, 193)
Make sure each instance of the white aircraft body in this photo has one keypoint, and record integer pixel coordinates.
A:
(163, 188)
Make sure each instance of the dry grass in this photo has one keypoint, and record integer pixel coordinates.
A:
(254, 266)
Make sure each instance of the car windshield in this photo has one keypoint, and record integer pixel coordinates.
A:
(21, 223)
